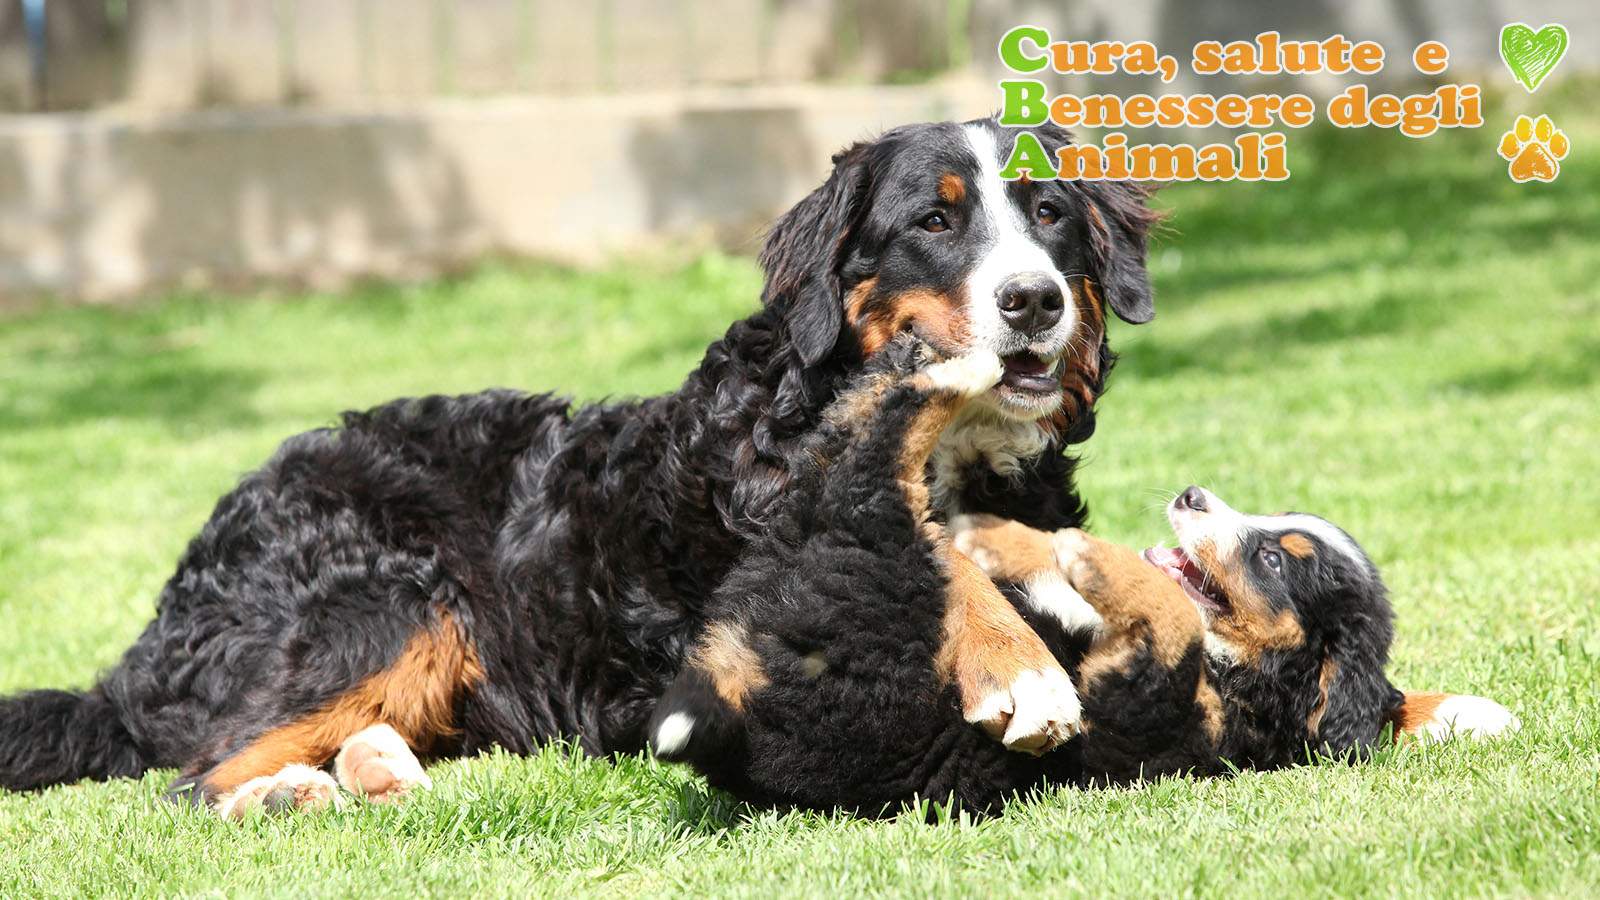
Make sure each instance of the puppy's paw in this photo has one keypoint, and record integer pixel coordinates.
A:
(1072, 547)
(968, 376)
(294, 788)
(377, 764)
(1003, 549)
(1036, 713)
(974, 536)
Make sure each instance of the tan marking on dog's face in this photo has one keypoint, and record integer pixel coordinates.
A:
(934, 316)
(725, 656)
(1330, 669)
(952, 188)
(1080, 366)
(1298, 545)
(1251, 626)
(416, 696)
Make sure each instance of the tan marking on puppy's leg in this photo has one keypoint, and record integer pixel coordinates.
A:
(1132, 596)
(378, 765)
(725, 656)
(1007, 678)
(416, 695)
(1004, 549)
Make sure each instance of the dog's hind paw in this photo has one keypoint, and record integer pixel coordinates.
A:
(1036, 713)
(294, 788)
(377, 764)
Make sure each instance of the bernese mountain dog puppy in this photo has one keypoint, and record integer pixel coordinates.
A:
(819, 682)
(503, 569)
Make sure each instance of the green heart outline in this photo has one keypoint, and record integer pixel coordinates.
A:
(1532, 55)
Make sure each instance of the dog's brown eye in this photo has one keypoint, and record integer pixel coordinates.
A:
(935, 223)
(1047, 214)
(1272, 559)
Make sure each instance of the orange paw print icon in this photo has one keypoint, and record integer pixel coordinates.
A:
(1535, 149)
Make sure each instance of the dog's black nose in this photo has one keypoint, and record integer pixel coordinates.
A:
(1031, 302)
(1193, 497)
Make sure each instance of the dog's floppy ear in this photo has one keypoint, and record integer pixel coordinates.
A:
(803, 255)
(1357, 705)
(1430, 715)
(1119, 227)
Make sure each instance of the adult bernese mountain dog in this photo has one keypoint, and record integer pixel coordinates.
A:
(503, 569)
(818, 681)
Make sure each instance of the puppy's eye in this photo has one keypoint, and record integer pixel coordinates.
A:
(1046, 214)
(1273, 560)
(934, 223)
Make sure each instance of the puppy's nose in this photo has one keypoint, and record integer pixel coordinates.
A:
(1031, 302)
(1193, 497)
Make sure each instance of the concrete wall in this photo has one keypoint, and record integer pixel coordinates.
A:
(151, 192)
(105, 205)
(185, 54)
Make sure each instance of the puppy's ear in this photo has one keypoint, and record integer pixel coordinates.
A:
(804, 252)
(1119, 228)
(1435, 716)
(1355, 708)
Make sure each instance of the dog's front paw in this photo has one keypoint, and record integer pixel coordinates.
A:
(968, 375)
(1036, 713)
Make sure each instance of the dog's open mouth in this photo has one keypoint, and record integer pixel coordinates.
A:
(1030, 373)
(1180, 568)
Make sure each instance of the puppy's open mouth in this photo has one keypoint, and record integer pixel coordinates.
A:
(1030, 373)
(1180, 568)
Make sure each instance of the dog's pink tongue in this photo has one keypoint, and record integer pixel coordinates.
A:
(1170, 560)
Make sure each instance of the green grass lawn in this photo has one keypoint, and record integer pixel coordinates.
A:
(1398, 338)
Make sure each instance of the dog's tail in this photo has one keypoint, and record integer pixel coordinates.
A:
(52, 737)
(692, 723)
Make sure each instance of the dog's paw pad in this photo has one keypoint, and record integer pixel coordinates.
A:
(968, 375)
(295, 788)
(378, 765)
(1534, 148)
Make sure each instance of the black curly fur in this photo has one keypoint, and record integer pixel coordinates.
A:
(575, 548)
(843, 602)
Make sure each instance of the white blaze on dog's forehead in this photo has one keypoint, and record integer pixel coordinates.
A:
(673, 733)
(1049, 594)
(1324, 531)
(1009, 249)
(1226, 528)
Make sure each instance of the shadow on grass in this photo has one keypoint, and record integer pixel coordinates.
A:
(104, 365)
(1357, 203)
(1265, 342)
(1578, 368)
